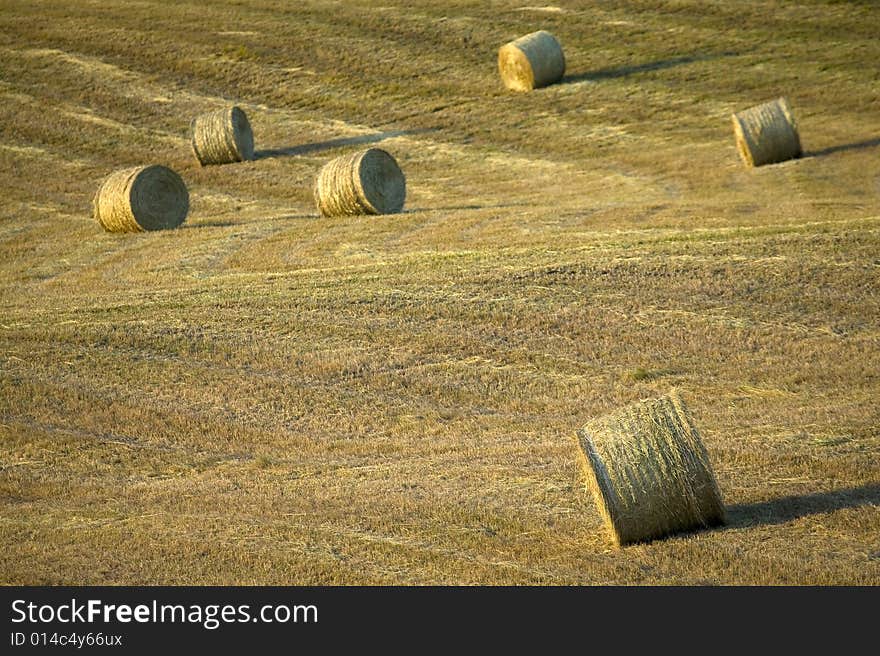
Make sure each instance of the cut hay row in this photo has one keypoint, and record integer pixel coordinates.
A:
(141, 198)
(767, 133)
(532, 61)
(366, 182)
(649, 472)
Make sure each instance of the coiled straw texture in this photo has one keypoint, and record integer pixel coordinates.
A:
(767, 134)
(141, 198)
(649, 472)
(366, 182)
(532, 61)
(222, 137)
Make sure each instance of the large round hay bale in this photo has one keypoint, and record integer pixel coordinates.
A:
(142, 198)
(649, 471)
(767, 134)
(532, 61)
(222, 137)
(366, 182)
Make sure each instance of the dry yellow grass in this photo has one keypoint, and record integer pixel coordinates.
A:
(266, 396)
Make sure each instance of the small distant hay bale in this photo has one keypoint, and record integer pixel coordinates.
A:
(649, 471)
(767, 133)
(222, 137)
(141, 198)
(532, 61)
(366, 182)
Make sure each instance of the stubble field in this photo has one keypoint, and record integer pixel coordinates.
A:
(264, 396)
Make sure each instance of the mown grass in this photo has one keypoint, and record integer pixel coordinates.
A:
(264, 396)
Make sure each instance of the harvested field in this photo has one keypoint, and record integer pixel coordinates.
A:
(266, 396)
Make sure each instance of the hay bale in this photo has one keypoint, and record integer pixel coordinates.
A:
(649, 472)
(222, 137)
(767, 134)
(366, 182)
(532, 61)
(142, 198)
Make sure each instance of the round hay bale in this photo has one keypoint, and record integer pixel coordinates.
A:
(142, 198)
(532, 61)
(222, 137)
(366, 182)
(649, 471)
(767, 134)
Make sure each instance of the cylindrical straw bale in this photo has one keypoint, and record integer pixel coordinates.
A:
(649, 471)
(366, 182)
(222, 137)
(532, 61)
(767, 133)
(142, 198)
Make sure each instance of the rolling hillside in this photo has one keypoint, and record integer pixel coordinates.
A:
(264, 396)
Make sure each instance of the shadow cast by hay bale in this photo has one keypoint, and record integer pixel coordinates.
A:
(624, 71)
(786, 509)
(210, 224)
(473, 206)
(856, 145)
(227, 223)
(305, 149)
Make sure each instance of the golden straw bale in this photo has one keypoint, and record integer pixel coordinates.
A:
(649, 471)
(141, 198)
(532, 61)
(767, 133)
(222, 137)
(366, 182)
